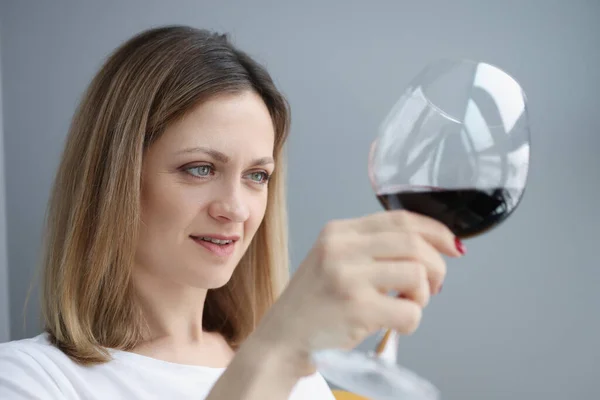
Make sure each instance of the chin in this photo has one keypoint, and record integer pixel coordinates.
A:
(209, 279)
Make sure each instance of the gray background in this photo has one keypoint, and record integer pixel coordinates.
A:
(4, 315)
(519, 315)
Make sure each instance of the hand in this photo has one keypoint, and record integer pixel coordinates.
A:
(338, 296)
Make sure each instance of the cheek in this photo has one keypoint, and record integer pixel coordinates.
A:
(258, 207)
(168, 208)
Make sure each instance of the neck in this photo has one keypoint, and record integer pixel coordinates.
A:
(172, 311)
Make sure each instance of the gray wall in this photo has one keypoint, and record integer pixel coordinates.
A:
(519, 315)
(4, 317)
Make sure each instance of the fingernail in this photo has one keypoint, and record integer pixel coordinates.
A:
(440, 289)
(460, 246)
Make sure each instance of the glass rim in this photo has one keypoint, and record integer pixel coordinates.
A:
(460, 61)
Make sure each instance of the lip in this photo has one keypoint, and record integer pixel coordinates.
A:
(217, 249)
(234, 238)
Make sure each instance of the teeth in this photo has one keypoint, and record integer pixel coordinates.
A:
(216, 241)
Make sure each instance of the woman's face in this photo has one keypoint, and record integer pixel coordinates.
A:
(204, 191)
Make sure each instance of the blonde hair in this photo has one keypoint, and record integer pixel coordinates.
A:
(150, 81)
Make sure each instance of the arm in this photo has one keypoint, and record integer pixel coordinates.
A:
(261, 369)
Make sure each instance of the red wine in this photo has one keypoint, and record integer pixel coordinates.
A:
(467, 212)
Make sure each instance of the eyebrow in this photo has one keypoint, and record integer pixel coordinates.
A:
(223, 158)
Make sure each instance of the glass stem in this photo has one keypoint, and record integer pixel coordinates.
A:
(387, 349)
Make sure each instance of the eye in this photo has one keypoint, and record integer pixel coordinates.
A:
(260, 177)
(200, 171)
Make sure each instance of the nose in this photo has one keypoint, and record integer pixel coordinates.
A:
(229, 205)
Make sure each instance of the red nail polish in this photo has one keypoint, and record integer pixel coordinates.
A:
(460, 246)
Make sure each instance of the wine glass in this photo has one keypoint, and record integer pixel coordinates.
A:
(455, 147)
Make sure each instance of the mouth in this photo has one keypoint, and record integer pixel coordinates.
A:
(221, 246)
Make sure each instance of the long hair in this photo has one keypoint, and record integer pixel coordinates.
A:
(150, 81)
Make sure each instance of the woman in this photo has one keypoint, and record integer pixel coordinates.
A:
(166, 253)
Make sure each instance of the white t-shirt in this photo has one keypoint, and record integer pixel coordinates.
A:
(35, 369)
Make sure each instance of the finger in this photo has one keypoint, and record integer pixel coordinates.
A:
(420, 295)
(397, 246)
(403, 315)
(436, 233)
(409, 279)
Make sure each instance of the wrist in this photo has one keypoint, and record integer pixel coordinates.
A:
(272, 347)
(260, 370)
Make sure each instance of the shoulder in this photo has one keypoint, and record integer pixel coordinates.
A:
(27, 367)
(36, 350)
(36, 342)
(312, 387)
